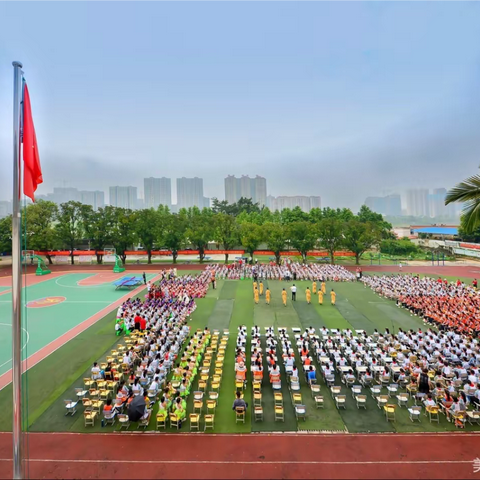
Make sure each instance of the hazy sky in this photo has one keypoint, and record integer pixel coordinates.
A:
(342, 100)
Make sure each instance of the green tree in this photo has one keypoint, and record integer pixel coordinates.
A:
(40, 227)
(99, 227)
(401, 248)
(251, 236)
(303, 237)
(276, 238)
(173, 231)
(365, 215)
(360, 236)
(146, 228)
(293, 215)
(226, 231)
(468, 193)
(200, 229)
(123, 232)
(69, 226)
(6, 234)
(331, 230)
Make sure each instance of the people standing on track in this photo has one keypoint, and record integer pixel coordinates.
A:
(320, 297)
(267, 296)
(293, 288)
(308, 295)
(260, 287)
(324, 288)
(144, 278)
(214, 281)
(255, 295)
(333, 297)
(314, 287)
(284, 297)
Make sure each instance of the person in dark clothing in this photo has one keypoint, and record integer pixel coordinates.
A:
(144, 278)
(423, 383)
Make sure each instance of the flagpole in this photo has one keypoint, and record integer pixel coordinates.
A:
(16, 281)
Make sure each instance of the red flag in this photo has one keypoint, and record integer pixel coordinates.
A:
(32, 171)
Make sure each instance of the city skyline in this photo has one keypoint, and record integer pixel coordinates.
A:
(415, 202)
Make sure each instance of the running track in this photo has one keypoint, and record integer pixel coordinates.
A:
(66, 455)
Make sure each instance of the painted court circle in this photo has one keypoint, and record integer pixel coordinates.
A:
(45, 302)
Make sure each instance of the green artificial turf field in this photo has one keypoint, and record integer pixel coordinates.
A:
(227, 307)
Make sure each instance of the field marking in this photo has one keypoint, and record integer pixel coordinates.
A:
(101, 285)
(68, 301)
(249, 462)
(23, 348)
(54, 345)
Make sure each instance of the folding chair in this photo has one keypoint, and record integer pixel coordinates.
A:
(198, 396)
(197, 406)
(213, 396)
(376, 391)
(356, 390)
(392, 389)
(473, 417)
(414, 413)
(211, 406)
(301, 412)
(174, 421)
(194, 421)
(240, 414)
(209, 421)
(389, 410)
(278, 399)
(319, 401)
(123, 420)
(340, 401)
(202, 385)
(70, 407)
(80, 393)
(315, 389)
(258, 413)
(143, 422)
(89, 416)
(109, 417)
(403, 399)
(279, 413)
(297, 399)
(336, 390)
(257, 399)
(215, 386)
(382, 400)
(361, 401)
(257, 387)
(161, 421)
(433, 414)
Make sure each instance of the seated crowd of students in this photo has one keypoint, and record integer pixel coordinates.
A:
(288, 271)
(160, 330)
(447, 305)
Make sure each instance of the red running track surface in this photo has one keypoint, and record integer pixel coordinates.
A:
(151, 455)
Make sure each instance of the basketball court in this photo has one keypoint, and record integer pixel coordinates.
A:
(56, 308)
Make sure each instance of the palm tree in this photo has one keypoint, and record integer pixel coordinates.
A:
(467, 192)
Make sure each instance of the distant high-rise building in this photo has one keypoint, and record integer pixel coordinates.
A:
(189, 192)
(246, 187)
(260, 190)
(95, 198)
(417, 202)
(231, 195)
(64, 195)
(389, 205)
(305, 203)
(158, 191)
(437, 207)
(123, 197)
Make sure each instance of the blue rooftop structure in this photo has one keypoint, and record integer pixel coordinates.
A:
(437, 230)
